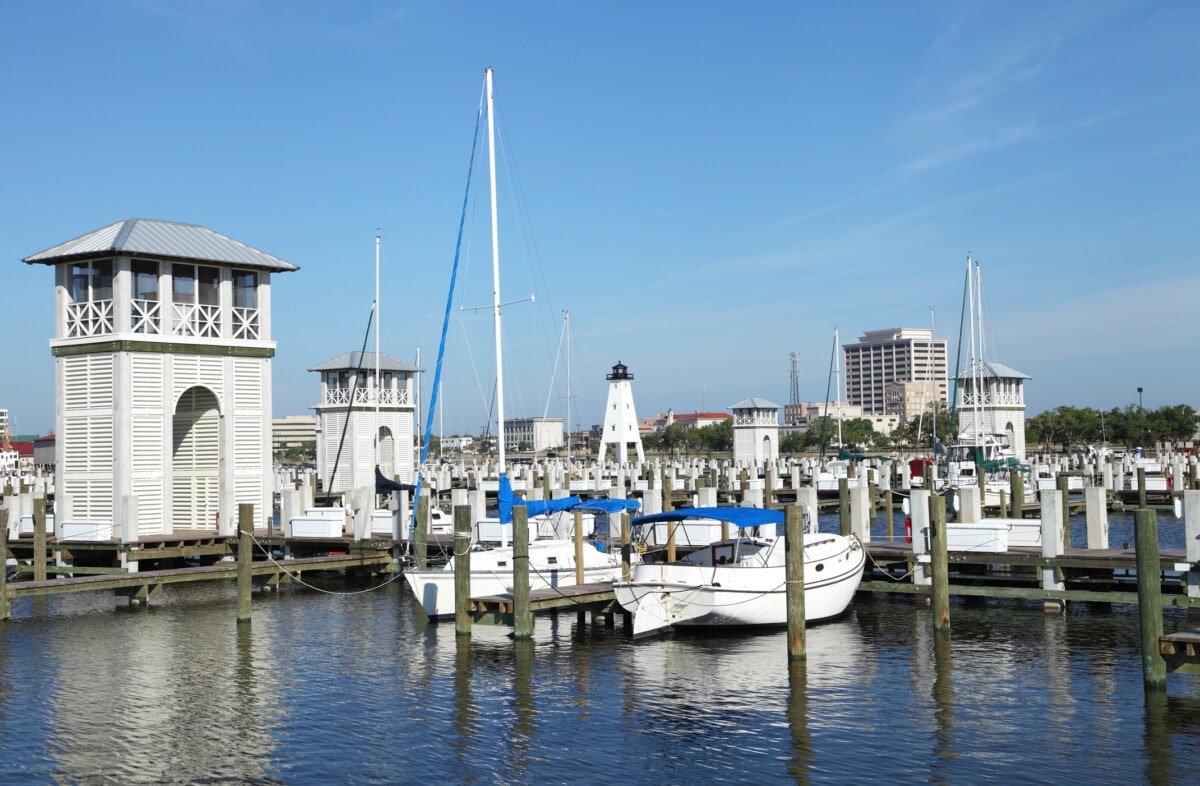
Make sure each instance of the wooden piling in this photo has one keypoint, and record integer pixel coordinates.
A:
(522, 613)
(1003, 504)
(889, 513)
(579, 547)
(940, 591)
(462, 570)
(1063, 481)
(844, 504)
(245, 559)
(1016, 486)
(39, 539)
(1141, 481)
(793, 522)
(1154, 668)
(5, 603)
(626, 548)
(421, 534)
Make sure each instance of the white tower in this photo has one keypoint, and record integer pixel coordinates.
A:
(162, 347)
(620, 420)
(993, 418)
(371, 404)
(755, 431)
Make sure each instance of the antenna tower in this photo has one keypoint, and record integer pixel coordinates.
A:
(795, 396)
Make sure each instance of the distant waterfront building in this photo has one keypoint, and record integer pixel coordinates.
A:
(695, 420)
(906, 400)
(365, 419)
(293, 431)
(894, 355)
(620, 419)
(162, 347)
(755, 431)
(537, 434)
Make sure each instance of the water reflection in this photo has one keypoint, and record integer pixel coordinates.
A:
(797, 714)
(351, 688)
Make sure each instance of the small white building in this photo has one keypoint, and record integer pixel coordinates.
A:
(755, 431)
(162, 347)
(365, 419)
(620, 418)
(991, 407)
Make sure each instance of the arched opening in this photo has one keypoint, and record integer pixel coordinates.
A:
(385, 452)
(196, 461)
(767, 455)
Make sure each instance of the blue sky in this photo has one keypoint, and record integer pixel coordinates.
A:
(706, 187)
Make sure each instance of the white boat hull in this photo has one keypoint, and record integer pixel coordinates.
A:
(551, 564)
(683, 595)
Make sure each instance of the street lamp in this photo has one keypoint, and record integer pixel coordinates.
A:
(1142, 418)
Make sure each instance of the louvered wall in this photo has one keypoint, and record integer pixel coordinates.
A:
(331, 430)
(87, 470)
(248, 433)
(147, 437)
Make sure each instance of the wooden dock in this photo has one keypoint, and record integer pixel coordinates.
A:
(1091, 575)
(597, 598)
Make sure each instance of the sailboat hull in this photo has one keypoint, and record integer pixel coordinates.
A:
(749, 593)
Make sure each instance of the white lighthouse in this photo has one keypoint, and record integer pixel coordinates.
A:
(162, 347)
(620, 418)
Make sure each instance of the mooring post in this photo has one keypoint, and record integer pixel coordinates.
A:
(245, 559)
(1063, 482)
(39, 538)
(1052, 548)
(1141, 480)
(889, 513)
(626, 548)
(522, 614)
(421, 535)
(5, 603)
(462, 570)
(793, 523)
(941, 579)
(1016, 487)
(844, 504)
(579, 547)
(1003, 504)
(1191, 542)
(1149, 587)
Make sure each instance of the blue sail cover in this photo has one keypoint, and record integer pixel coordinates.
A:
(535, 507)
(609, 506)
(739, 517)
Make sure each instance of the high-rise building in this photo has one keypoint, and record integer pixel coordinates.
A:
(895, 355)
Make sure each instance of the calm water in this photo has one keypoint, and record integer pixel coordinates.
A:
(351, 688)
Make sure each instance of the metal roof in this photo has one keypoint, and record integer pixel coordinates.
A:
(160, 239)
(754, 402)
(364, 360)
(991, 369)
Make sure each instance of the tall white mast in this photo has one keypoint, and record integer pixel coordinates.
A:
(837, 381)
(974, 356)
(378, 378)
(491, 115)
(567, 319)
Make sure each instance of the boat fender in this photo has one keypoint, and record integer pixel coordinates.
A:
(907, 529)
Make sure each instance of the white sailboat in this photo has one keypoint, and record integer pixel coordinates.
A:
(740, 581)
(552, 561)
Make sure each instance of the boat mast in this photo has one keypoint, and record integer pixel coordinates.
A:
(974, 354)
(567, 320)
(378, 378)
(837, 382)
(491, 117)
